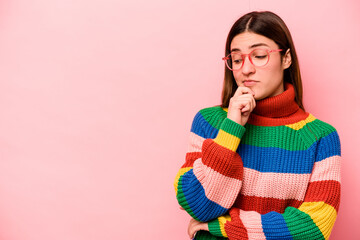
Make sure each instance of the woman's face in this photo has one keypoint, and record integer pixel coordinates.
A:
(265, 81)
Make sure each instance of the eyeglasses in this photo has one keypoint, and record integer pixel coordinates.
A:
(258, 57)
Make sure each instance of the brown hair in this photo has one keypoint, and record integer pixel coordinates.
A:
(270, 25)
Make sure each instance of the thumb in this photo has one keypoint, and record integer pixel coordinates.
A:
(245, 114)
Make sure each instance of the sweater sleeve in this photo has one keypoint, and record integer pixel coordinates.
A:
(209, 181)
(315, 217)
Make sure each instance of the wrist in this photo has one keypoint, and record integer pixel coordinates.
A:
(229, 134)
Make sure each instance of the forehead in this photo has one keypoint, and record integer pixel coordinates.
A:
(245, 40)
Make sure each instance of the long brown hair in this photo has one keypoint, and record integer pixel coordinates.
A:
(271, 26)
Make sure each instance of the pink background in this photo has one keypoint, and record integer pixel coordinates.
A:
(97, 99)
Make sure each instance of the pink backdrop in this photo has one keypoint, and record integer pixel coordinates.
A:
(97, 99)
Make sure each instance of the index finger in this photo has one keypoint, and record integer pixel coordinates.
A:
(243, 90)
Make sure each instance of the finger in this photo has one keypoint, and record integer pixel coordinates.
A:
(192, 231)
(245, 109)
(191, 228)
(241, 103)
(248, 97)
(243, 90)
(254, 103)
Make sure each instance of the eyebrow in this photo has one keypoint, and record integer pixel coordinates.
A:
(252, 46)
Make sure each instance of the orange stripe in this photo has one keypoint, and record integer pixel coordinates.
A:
(264, 205)
(265, 122)
(324, 191)
(235, 229)
(222, 160)
(190, 158)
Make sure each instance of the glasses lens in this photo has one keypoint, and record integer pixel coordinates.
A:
(235, 61)
(259, 57)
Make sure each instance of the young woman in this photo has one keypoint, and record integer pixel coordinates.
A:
(259, 166)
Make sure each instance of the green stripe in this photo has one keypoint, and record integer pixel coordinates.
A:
(283, 137)
(214, 228)
(214, 116)
(301, 225)
(182, 200)
(232, 128)
(279, 137)
(271, 136)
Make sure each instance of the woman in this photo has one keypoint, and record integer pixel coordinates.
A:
(259, 166)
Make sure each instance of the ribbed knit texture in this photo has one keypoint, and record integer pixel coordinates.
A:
(277, 177)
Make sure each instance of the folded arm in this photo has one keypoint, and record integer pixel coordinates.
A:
(209, 181)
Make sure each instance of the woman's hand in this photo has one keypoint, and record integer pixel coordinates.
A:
(195, 226)
(241, 105)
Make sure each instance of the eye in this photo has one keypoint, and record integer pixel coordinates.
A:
(260, 56)
(237, 61)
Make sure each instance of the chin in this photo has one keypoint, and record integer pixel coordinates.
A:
(257, 98)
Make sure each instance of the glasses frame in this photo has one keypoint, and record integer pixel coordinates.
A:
(248, 55)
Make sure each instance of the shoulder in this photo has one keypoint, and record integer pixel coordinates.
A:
(325, 135)
(328, 140)
(208, 118)
(320, 127)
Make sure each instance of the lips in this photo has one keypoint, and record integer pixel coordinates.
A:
(248, 83)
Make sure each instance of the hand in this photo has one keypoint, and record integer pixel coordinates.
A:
(241, 105)
(195, 226)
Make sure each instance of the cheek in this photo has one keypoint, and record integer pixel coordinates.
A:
(238, 77)
(271, 73)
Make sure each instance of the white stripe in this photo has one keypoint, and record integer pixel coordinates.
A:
(274, 185)
(252, 223)
(195, 142)
(327, 169)
(218, 188)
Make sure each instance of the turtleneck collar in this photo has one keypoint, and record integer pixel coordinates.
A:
(281, 105)
(278, 110)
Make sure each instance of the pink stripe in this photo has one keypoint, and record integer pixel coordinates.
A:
(274, 185)
(252, 223)
(327, 169)
(195, 142)
(218, 188)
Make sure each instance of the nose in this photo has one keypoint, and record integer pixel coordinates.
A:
(247, 67)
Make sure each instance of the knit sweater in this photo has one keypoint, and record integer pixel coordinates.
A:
(277, 177)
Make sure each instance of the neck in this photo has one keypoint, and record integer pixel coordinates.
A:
(281, 105)
(277, 110)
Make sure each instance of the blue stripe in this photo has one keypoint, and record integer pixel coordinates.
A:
(271, 159)
(329, 146)
(202, 128)
(274, 226)
(203, 208)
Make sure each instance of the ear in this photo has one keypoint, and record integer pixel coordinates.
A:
(286, 60)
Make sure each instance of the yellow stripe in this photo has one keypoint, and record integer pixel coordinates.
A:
(222, 220)
(227, 140)
(225, 109)
(302, 123)
(323, 215)
(181, 172)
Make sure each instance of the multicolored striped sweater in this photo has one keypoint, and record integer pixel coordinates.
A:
(277, 177)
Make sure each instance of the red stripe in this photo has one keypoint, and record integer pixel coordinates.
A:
(265, 121)
(264, 205)
(190, 159)
(327, 191)
(235, 229)
(222, 160)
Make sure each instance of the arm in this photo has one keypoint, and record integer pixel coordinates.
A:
(210, 179)
(314, 218)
